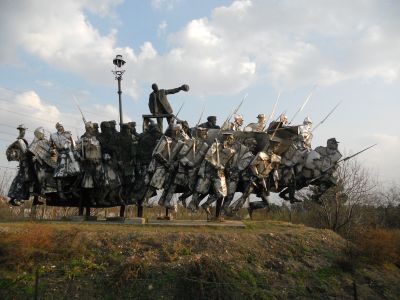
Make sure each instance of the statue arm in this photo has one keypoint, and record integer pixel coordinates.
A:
(172, 91)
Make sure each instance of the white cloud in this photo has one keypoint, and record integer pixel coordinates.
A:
(161, 4)
(288, 43)
(383, 158)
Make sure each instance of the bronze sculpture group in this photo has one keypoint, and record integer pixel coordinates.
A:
(206, 164)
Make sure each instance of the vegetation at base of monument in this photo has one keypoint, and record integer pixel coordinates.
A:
(269, 259)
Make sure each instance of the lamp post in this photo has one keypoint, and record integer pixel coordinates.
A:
(118, 62)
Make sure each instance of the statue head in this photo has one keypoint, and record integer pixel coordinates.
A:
(202, 133)
(113, 125)
(261, 118)
(39, 133)
(307, 121)
(105, 127)
(283, 119)
(132, 126)
(251, 143)
(59, 127)
(96, 128)
(22, 129)
(125, 129)
(332, 144)
(89, 128)
(176, 130)
(212, 120)
(228, 138)
(238, 119)
(154, 86)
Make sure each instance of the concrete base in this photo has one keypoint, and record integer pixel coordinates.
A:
(79, 218)
(116, 219)
(135, 221)
(196, 223)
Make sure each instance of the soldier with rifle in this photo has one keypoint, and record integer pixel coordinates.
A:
(18, 151)
(236, 170)
(43, 163)
(210, 124)
(163, 165)
(189, 159)
(212, 177)
(63, 146)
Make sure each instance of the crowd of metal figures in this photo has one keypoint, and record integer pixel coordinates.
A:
(106, 167)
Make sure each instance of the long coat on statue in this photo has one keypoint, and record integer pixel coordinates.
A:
(158, 102)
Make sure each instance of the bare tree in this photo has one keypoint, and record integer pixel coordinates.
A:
(341, 206)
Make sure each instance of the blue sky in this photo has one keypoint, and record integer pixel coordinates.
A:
(52, 51)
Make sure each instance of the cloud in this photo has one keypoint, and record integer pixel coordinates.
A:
(286, 43)
(383, 158)
(164, 4)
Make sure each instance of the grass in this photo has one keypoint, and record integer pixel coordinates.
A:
(266, 260)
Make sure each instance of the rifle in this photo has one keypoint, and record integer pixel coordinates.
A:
(304, 104)
(339, 161)
(201, 115)
(76, 102)
(233, 112)
(327, 116)
(179, 110)
(273, 109)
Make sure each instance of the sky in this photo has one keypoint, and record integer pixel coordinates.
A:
(53, 52)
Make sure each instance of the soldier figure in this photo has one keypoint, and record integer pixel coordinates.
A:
(305, 131)
(158, 102)
(330, 155)
(63, 145)
(211, 123)
(256, 127)
(282, 122)
(89, 150)
(146, 144)
(237, 167)
(162, 166)
(132, 128)
(212, 176)
(110, 151)
(259, 179)
(237, 123)
(189, 159)
(127, 157)
(96, 129)
(43, 163)
(18, 151)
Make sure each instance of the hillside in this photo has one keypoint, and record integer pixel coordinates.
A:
(266, 260)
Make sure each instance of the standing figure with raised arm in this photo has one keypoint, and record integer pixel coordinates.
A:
(159, 104)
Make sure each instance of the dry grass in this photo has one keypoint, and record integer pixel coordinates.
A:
(266, 260)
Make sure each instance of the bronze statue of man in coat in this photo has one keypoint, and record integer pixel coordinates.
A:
(158, 102)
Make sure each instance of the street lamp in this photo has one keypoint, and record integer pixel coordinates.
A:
(118, 62)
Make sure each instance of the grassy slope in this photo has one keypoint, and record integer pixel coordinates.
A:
(266, 260)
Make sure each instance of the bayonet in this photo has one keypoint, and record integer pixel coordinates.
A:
(342, 160)
(304, 104)
(201, 115)
(359, 152)
(179, 110)
(271, 115)
(80, 110)
(327, 116)
(233, 113)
